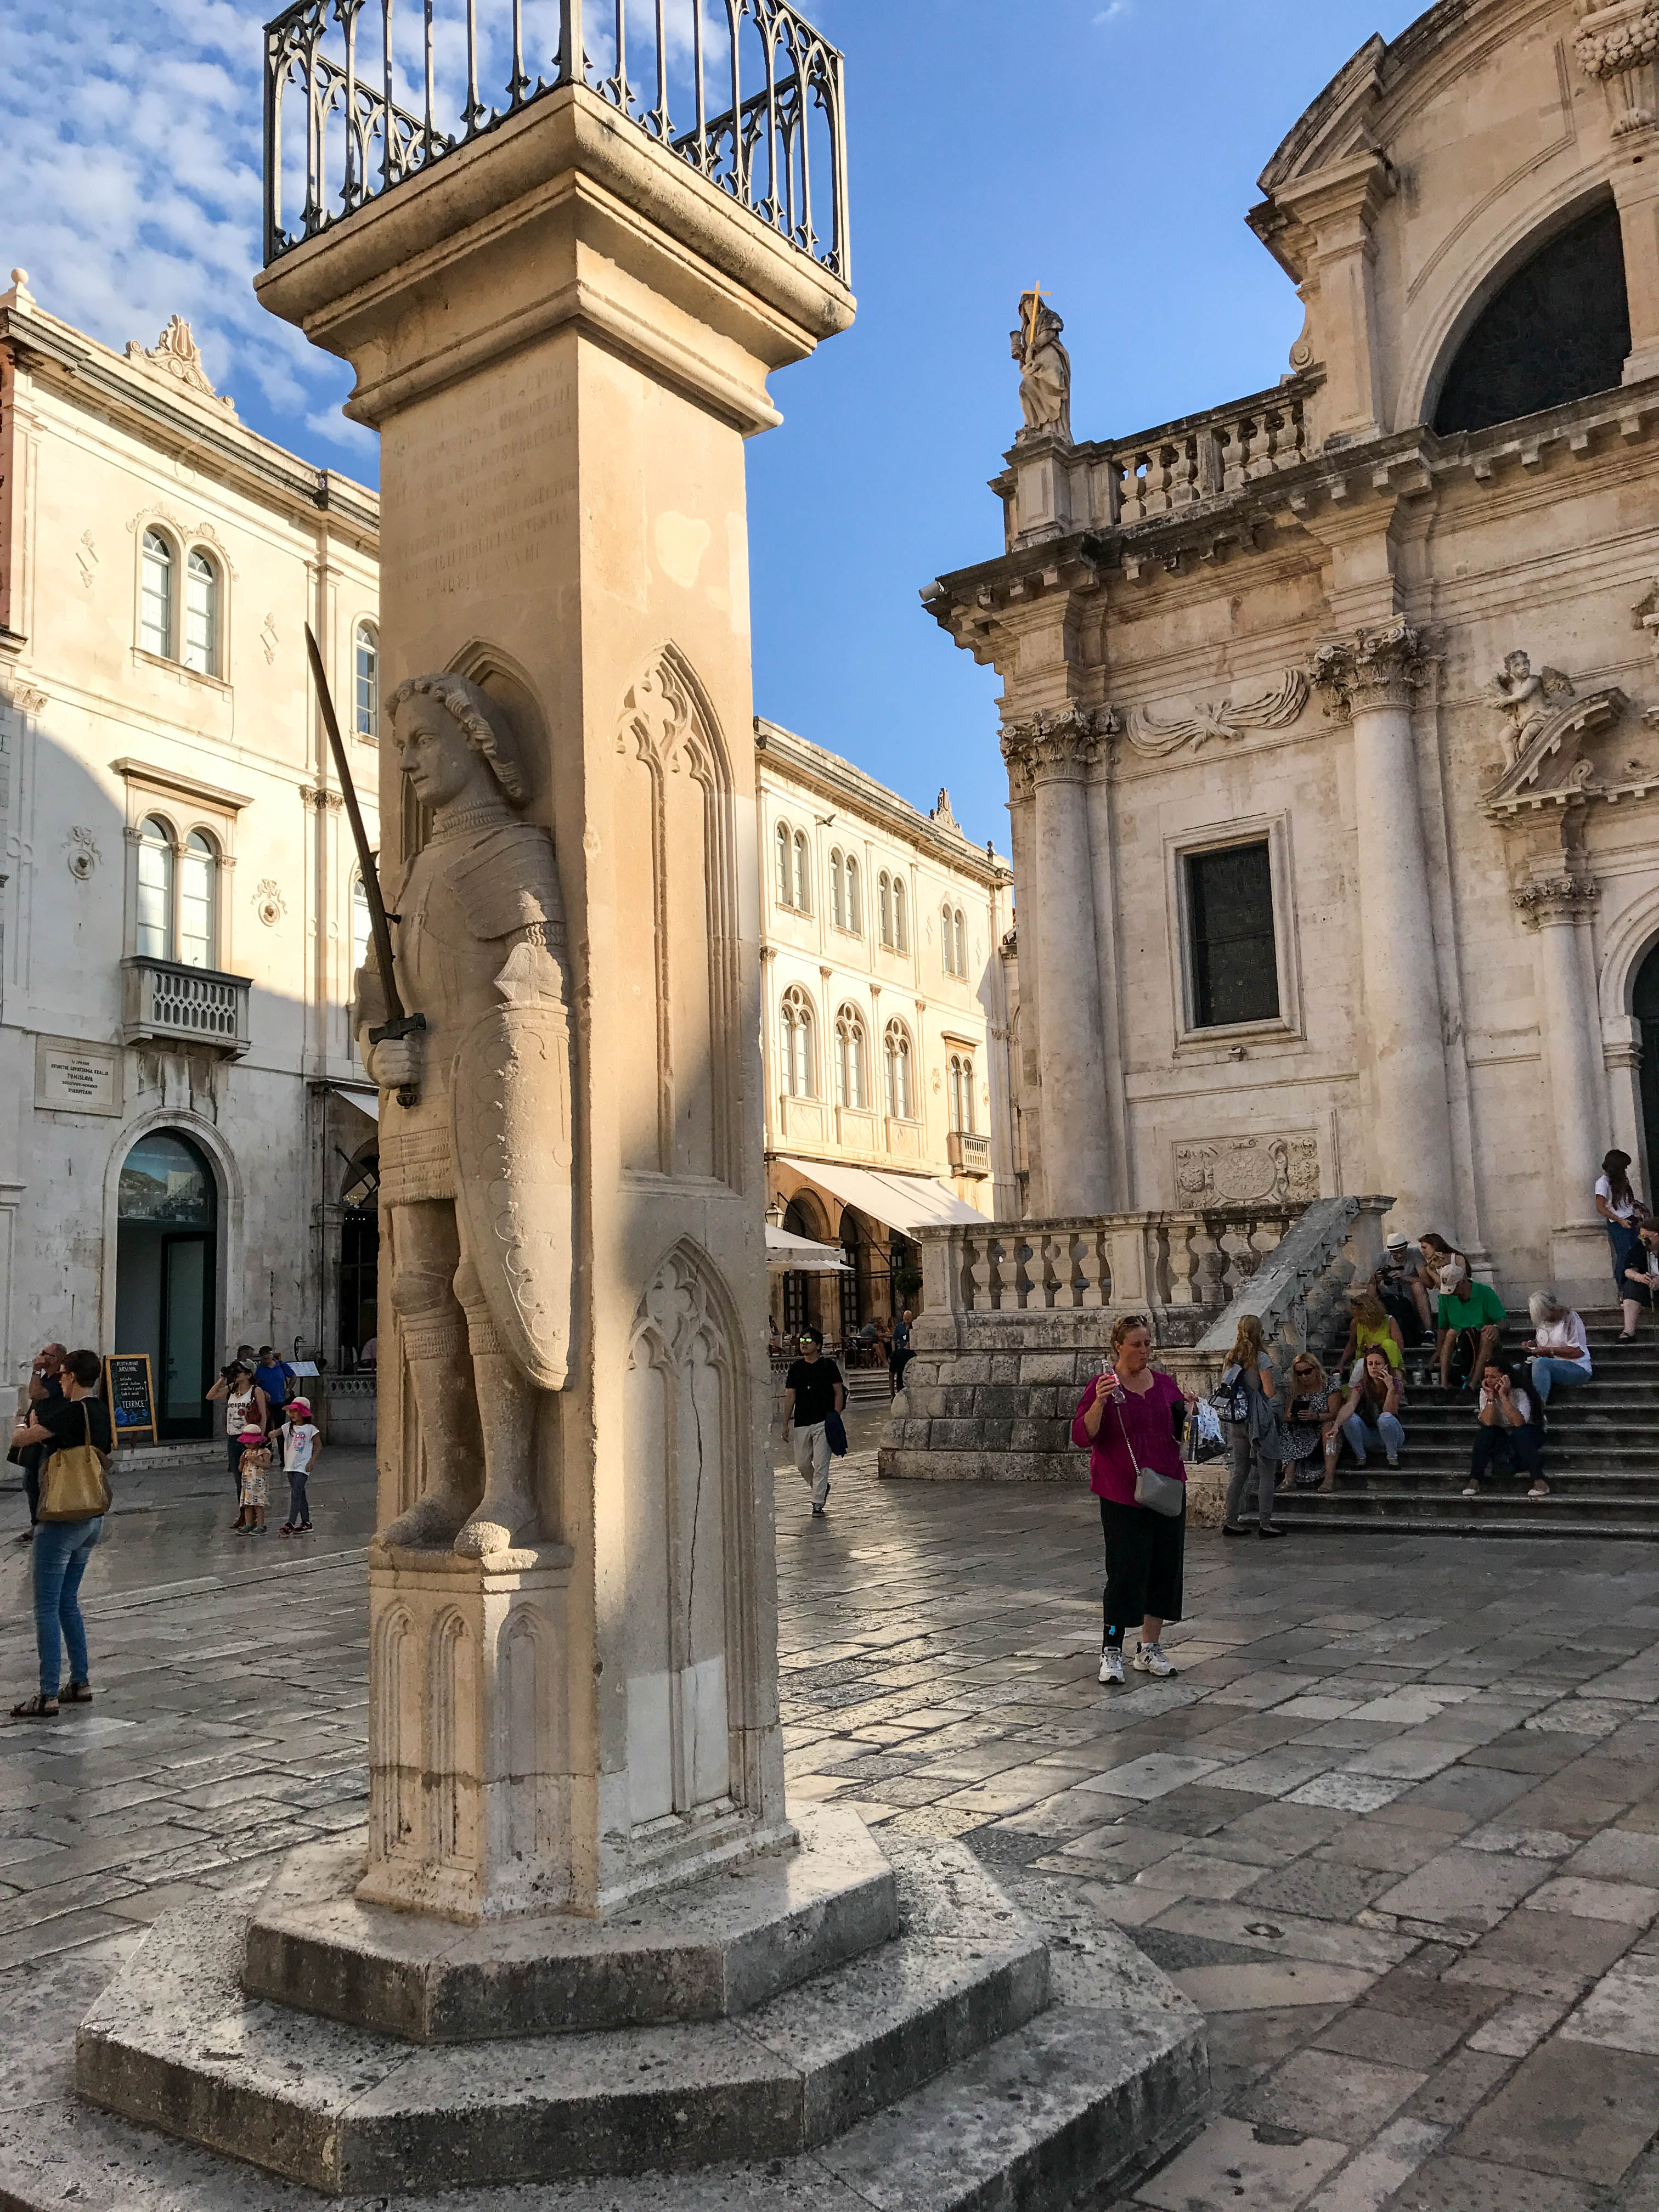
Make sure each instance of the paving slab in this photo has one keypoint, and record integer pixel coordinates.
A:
(1463, 1889)
(1580, 2111)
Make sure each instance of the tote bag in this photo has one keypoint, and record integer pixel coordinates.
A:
(75, 1486)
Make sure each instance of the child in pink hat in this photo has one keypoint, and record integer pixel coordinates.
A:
(256, 1463)
(300, 1440)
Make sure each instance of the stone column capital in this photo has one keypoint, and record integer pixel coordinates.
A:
(1553, 900)
(1062, 744)
(1617, 47)
(1370, 670)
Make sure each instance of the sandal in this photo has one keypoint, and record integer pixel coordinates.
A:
(36, 1709)
(77, 1693)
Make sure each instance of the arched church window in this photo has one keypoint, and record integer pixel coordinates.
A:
(785, 877)
(849, 1058)
(796, 1041)
(884, 906)
(837, 890)
(898, 1072)
(803, 874)
(1558, 330)
(901, 935)
(854, 918)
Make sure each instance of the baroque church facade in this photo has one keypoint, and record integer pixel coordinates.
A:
(1331, 716)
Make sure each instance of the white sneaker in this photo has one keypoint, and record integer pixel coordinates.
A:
(1151, 1659)
(1111, 1666)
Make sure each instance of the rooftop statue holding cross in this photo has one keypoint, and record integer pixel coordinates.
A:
(1045, 383)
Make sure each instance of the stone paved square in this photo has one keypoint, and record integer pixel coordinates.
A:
(1421, 1992)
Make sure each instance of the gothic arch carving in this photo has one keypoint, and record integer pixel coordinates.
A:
(668, 725)
(689, 1512)
(449, 1706)
(396, 1807)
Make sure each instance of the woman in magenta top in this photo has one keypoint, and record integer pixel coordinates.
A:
(1129, 1418)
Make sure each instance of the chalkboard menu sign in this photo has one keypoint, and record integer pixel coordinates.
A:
(131, 1400)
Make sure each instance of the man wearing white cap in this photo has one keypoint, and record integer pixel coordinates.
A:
(1401, 1283)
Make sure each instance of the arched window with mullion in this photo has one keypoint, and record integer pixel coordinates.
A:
(900, 943)
(198, 901)
(155, 931)
(897, 1057)
(849, 1059)
(803, 874)
(155, 624)
(795, 1040)
(201, 614)
(366, 680)
(854, 918)
(786, 882)
(837, 890)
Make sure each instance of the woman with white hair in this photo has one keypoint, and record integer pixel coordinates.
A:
(1558, 1347)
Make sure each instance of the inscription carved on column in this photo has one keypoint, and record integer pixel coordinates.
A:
(1245, 1171)
(1371, 669)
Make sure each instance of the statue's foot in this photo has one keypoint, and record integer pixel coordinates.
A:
(430, 1525)
(505, 1521)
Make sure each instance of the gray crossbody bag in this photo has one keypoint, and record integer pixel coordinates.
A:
(1160, 1493)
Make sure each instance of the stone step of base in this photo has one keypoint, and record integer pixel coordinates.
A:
(176, 2043)
(1474, 1520)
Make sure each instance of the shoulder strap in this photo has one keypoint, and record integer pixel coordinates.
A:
(1128, 1446)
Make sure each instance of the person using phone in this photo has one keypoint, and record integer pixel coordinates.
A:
(1133, 1416)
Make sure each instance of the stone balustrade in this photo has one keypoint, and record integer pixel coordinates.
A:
(1212, 456)
(1017, 1315)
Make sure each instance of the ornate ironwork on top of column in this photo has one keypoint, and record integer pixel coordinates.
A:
(355, 104)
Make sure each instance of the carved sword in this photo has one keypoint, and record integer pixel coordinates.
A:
(398, 1024)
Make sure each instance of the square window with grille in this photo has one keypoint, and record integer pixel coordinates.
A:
(1229, 919)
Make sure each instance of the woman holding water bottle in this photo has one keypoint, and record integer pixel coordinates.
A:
(1129, 1418)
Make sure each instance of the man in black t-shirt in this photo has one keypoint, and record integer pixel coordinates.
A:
(45, 1382)
(812, 1390)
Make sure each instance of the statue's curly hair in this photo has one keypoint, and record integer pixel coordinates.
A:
(474, 714)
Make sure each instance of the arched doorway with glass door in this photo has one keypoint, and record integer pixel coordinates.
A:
(166, 1273)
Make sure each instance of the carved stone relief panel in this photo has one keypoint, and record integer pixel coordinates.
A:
(1273, 706)
(1248, 1170)
(685, 1408)
(683, 1080)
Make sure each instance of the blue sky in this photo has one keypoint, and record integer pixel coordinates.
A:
(1107, 147)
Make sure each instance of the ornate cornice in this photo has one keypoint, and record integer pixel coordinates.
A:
(1065, 743)
(1373, 670)
(1556, 899)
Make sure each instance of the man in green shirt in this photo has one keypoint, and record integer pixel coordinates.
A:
(1475, 1308)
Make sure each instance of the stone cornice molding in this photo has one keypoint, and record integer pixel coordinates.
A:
(1371, 671)
(1553, 900)
(1061, 745)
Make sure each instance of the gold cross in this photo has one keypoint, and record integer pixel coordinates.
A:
(1036, 295)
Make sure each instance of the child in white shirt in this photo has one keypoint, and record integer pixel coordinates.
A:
(301, 1452)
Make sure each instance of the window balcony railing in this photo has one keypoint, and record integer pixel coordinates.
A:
(970, 1155)
(745, 91)
(167, 1003)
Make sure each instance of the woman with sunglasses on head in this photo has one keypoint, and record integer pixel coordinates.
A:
(1129, 1418)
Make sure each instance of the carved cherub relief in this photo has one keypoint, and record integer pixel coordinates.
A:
(1525, 698)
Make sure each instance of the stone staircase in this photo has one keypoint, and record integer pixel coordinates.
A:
(1600, 1457)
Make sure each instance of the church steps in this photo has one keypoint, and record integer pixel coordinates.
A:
(1601, 1457)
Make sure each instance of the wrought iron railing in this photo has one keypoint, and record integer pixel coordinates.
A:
(356, 103)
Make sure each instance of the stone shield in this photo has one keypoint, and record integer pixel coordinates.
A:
(510, 1101)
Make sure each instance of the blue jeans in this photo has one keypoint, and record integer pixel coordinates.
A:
(1388, 1436)
(1547, 1373)
(61, 1549)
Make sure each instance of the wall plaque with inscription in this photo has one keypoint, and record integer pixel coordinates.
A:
(76, 1078)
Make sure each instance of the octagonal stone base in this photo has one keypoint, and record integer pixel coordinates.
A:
(718, 1947)
(939, 2070)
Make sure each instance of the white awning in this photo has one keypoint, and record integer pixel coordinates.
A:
(904, 1202)
(789, 1255)
(366, 1101)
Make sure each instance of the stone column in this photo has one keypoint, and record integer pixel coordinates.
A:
(562, 333)
(1370, 677)
(1557, 909)
(1057, 753)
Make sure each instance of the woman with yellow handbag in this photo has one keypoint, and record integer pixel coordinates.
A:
(77, 1438)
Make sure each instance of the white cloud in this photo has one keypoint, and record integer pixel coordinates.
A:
(1114, 12)
(133, 153)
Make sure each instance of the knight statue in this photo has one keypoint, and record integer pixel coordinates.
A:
(475, 1169)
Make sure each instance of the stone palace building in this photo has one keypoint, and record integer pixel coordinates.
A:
(186, 1138)
(885, 1036)
(1331, 714)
